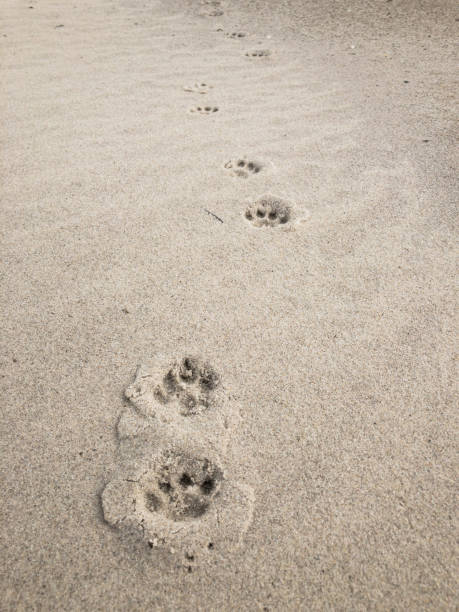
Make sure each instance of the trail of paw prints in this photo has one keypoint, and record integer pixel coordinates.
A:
(243, 167)
(185, 396)
(180, 498)
(204, 110)
(200, 88)
(270, 211)
(258, 53)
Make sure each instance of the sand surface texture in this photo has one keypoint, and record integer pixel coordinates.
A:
(227, 268)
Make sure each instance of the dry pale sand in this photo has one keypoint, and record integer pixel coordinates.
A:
(280, 265)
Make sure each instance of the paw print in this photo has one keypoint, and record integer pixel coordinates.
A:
(243, 168)
(189, 383)
(211, 8)
(236, 35)
(258, 53)
(181, 487)
(186, 394)
(200, 88)
(204, 110)
(269, 211)
(179, 498)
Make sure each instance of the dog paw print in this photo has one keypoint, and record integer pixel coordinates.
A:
(258, 53)
(184, 395)
(204, 110)
(190, 384)
(243, 167)
(211, 8)
(200, 88)
(181, 488)
(179, 498)
(269, 211)
(236, 35)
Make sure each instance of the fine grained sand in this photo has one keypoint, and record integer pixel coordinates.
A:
(126, 241)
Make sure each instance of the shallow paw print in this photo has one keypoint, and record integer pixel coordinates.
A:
(211, 8)
(258, 53)
(200, 88)
(269, 211)
(204, 110)
(236, 35)
(243, 168)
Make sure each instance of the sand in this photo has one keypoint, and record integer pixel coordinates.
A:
(268, 189)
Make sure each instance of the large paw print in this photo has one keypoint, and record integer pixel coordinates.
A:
(179, 498)
(204, 110)
(181, 487)
(243, 168)
(269, 211)
(200, 88)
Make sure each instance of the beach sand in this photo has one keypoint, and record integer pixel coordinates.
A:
(255, 203)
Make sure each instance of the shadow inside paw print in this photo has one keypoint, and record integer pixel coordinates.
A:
(243, 168)
(204, 110)
(181, 487)
(189, 382)
(258, 53)
(268, 211)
